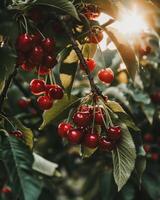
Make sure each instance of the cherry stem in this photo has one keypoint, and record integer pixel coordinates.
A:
(25, 22)
(51, 78)
(69, 32)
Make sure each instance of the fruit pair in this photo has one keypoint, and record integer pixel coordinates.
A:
(50, 91)
(35, 53)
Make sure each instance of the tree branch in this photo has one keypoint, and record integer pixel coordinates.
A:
(6, 87)
(94, 88)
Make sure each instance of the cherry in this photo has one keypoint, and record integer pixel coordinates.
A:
(63, 129)
(148, 138)
(37, 55)
(154, 156)
(96, 37)
(90, 63)
(85, 108)
(105, 145)
(50, 61)
(24, 42)
(42, 70)
(56, 92)
(74, 136)
(106, 75)
(145, 51)
(91, 140)
(48, 44)
(17, 134)
(147, 148)
(100, 118)
(23, 102)
(45, 102)
(27, 67)
(114, 132)
(155, 97)
(37, 86)
(82, 118)
(6, 189)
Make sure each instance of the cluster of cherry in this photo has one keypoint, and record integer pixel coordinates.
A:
(50, 93)
(82, 129)
(34, 52)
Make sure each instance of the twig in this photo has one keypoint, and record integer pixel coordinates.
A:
(6, 87)
(109, 22)
(68, 30)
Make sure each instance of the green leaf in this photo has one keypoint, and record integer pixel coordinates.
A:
(87, 152)
(27, 132)
(18, 160)
(8, 60)
(58, 109)
(115, 107)
(124, 156)
(125, 50)
(64, 5)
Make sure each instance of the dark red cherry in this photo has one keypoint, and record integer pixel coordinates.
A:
(90, 63)
(85, 108)
(155, 156)
(91, 140)
(37, 86)
(36, 55)
(56, 92)
(27, 67)
(74, 136)
(82, 118)
(48, 44)
(17, 134)
(63, 129)
(96, 37)
(148, 137)
(50, 61)
(44, 102)
(106, 145)
(100, 118)
(23, 102)
(114, 132)
(24, 42)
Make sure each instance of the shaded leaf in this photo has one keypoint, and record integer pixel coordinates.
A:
(59, 107)
(125, 50)
(87, 152)
(124, 156)
(18, 160)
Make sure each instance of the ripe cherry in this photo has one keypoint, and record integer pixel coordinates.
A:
(114, 132)
(145, 51)
(45, 102)
(37, 86)
(100, 118)
(148, 138)
(50, 61)
(43, 70)
(23, 102)
(85, 108)
(91, 140)
(6, 190)
(56, 92)
(63, 129)
(154, 156)
(27, 67)
(82, 118)
(36, 55)
(24, 42)
(74, 136)
(48, 44)
(106, 75)
(17, 134)
(90, 63)
(105, 145)
(96, 37)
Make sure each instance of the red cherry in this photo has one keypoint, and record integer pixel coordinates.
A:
(100, 118)
(114, 132)
(96, 37)
(145, 51)
(17, 134)
(36, 55)
(50, 61)
(82, 118)
(106, 145)
(90, 63)
(6, 190)
(37, 86)
(148, 138)
(27, 67)
(56, 92)
(48, 44)
(23, 102)
(155, 97)
(43, 70)
(155, 156)
(24, 42)
(45, 102)
(85, 108)
(106, 75)
(147, 148)
(74, 136)
(91, 140)
(63, 129)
